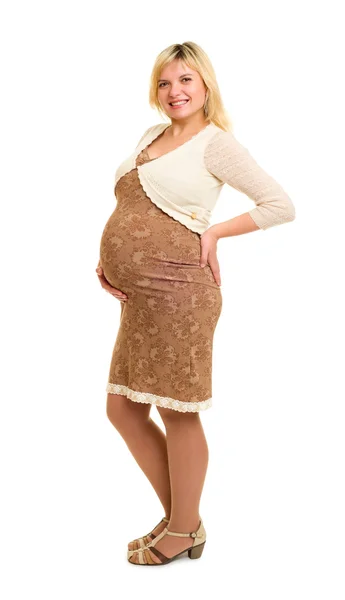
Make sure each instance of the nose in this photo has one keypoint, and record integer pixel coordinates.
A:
(176, 93)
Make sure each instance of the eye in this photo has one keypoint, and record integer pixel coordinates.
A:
(186, 78)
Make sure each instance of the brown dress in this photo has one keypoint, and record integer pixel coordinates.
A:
(163, 350)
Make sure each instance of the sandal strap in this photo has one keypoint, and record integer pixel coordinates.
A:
(157, 538)
(192, 534)
(161, 521)
(180, 534)
(149, 545)
(159, 554)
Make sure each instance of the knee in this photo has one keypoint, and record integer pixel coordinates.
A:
(123, 412)
(115, 408)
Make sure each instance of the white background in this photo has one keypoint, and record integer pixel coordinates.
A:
(74, 103)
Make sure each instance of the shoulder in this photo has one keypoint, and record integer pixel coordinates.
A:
(152, 131)
(224, 140)
(223, 147)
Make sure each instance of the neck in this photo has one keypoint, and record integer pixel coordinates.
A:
(186, 127)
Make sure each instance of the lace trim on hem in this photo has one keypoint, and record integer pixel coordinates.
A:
(164, 402)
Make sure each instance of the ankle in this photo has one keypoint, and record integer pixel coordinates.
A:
(184, 525)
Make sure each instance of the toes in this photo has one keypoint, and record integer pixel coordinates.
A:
(146, 557)
(147, 539)
(135, 545)
(134, 558)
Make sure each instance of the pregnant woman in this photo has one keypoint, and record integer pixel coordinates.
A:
(158, 256)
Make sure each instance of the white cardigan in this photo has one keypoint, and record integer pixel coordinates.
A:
(186, 182)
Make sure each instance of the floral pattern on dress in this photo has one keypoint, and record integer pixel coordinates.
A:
(163, 349)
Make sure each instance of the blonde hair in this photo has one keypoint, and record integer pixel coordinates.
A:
(196, 58)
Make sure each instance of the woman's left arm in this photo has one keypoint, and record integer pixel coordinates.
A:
(231, 162)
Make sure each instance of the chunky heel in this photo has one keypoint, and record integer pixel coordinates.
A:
(196, 552)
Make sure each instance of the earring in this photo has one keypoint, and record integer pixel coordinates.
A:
(205, 103)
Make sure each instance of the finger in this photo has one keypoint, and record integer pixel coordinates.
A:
(121, 298)
(111, 290)
(116, 293)
(203, 257)
(215, 270)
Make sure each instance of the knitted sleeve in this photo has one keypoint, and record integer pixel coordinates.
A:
(228, 160)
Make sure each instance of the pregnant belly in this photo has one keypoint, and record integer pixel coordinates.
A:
(150, 252)
(115, 252)
(131, 255)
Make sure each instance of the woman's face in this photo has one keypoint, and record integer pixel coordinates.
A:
(177, 82)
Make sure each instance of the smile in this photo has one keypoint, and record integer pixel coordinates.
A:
(178, 103)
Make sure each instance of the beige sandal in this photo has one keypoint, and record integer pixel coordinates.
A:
(194, 551)
(146, 539)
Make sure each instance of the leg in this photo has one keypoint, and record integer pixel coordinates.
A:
(188, 460)
(146, 441)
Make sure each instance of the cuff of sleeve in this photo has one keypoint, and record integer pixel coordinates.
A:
(264, 223)
(259, 219)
